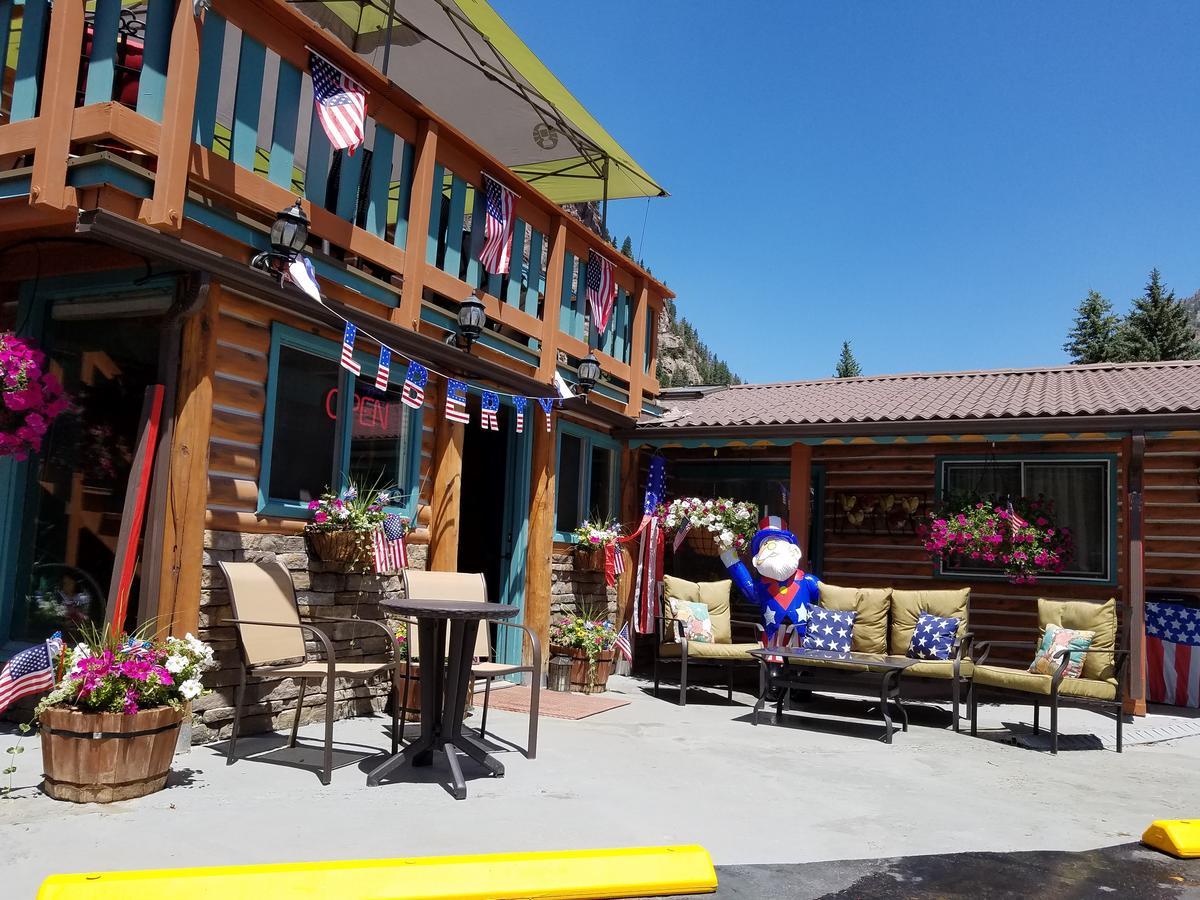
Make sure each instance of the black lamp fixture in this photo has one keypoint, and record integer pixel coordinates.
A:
(472, 316)
(289, 235)
(588, 374)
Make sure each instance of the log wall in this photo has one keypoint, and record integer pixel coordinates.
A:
(1172, 515)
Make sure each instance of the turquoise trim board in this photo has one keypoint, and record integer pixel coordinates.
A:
(590, 439)
(152, 82)
(30, 57)
(435, 316)
(665, 440)
(102, 63)
(283, 335)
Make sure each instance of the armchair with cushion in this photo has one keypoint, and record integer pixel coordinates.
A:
(1102, 681)
(672, 647)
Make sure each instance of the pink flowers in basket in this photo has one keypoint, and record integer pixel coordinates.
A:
(32, 398)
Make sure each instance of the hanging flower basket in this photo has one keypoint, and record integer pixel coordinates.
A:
(30, 398)
(340, 546)
(342, 524)
(713, 523)
(589, 559)
(593, 538)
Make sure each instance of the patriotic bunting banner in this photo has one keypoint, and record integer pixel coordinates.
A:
(414, 385)
(601, 290)
(301, 274)
(547, 404)
(348, 362)
(489, 405)
(519, 406)
(456, 401)
(385, 369)
(496, 255)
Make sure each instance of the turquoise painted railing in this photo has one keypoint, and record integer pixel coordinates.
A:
(455, 242)
(573, 312)
(23, 27)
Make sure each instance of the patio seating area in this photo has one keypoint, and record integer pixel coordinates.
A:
(592, 785)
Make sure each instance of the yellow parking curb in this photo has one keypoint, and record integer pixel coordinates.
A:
(545, 875)
(1178, 837)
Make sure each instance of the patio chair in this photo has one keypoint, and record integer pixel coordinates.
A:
(472, 587)
(672, 647)
(272, 643)
(1102, 681)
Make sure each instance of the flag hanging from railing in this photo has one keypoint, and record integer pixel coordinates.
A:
(498, 204)
(341, 103)
(601, 290)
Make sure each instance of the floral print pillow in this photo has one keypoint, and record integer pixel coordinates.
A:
(1054, 642)
(697, 625)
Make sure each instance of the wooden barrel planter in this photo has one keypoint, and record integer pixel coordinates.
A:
(103, 757)
(412, 695)
(580, 681)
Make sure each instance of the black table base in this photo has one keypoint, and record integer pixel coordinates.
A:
(444, 688)
(779, 680)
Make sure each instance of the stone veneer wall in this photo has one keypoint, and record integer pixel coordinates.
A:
(322, 589)
(574, 589)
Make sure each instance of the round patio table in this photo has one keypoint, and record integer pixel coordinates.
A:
(444, 685)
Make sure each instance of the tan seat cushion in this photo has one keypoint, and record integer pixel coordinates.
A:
(936, 668)
(494, 669)
(318, 669)
(907, 607)
(1085, 615)
(1032, 683)
(709, 651)
(871, 608)
(713, 594)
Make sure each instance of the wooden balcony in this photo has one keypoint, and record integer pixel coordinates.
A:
(204, 129)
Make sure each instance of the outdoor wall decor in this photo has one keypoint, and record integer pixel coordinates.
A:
(877, 513)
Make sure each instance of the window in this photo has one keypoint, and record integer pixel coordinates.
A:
(586, 479)
(1082, 490)
(323, 427)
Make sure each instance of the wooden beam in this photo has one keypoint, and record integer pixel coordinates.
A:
(541, 540)
(637, 346)
(408, 313)
(798, 493)
(1135, 702)
(18, 138)
(165, 209)
(113, 122)
(446, 489)
(555, 260)
(48, 186)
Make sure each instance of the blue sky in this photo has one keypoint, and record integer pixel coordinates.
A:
(939, 183)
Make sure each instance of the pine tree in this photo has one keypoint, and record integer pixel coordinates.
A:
(847, 366)
(627, 247)
(1158, 326)
(1094, 338)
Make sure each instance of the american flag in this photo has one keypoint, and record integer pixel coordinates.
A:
(601, 289)
(1173, 654)
(29, 672)
(618, 560)
(414, 385)
(547, 404)
(519, 405)
(388, 543)
(614, 564)
(489, 406)
(348, 362)
(385, 369)
(623, 643)
(341, 103)
(498, 219)
(650, 551)
(456, 401)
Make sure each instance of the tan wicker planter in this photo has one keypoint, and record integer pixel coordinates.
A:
(103, 757)
(598, 682)
(340, 546)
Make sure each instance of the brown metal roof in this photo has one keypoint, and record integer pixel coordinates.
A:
(1128, 389)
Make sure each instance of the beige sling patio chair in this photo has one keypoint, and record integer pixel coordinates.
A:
(272, 640)
(471, 587)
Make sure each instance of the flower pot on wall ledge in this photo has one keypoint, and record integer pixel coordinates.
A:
(104, 757)
(340, 546)
(589, 558)
(583, 680)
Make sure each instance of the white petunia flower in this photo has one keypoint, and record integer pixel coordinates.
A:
(191, 689)
(176, 663)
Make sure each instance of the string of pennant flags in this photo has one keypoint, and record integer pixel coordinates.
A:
(412, 394)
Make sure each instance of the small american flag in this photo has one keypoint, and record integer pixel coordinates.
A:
(623, 643)
(547, 404)
(388, 543)
(618, 560)
(414, 385)
(456, 401)
(348, 337)
(519, 404)
(601, 289)
(385, 369)
(341, 103)
(1173, 654)
(29, 672)
(498, 219)
(489, 405)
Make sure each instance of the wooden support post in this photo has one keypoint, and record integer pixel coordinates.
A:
(637, 347)
(187, 490)
(48, 185)
(541, 540)
(550, 309)
(799, 491)
(1135, 702)
(408, 313)
(446, 490)
(165, 208)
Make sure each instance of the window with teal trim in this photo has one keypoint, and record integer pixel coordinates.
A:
(586, 479)
(324, 428)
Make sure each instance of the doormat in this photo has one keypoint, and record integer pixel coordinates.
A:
(553, 704)
(1133, 737)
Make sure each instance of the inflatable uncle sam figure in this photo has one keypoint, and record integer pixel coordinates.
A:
(780, 589)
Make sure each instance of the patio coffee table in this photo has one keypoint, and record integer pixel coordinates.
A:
(830, 670)
(444, 685)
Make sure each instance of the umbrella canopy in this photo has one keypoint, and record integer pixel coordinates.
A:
(461, 59)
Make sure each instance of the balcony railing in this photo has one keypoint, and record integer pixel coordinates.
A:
(210, 124)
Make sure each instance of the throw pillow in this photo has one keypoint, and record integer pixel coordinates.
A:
(1054, 641)
(933, 637)
(829, 629)
(696, 622)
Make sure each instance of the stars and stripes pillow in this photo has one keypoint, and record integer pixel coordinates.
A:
(829, 629)
(933, 638)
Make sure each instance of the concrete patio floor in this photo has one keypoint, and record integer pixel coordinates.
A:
(821, 787)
